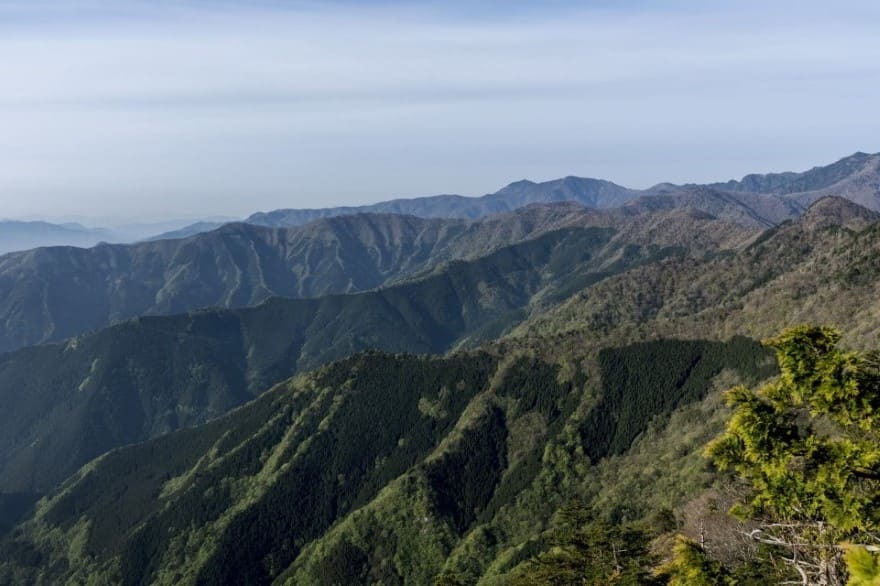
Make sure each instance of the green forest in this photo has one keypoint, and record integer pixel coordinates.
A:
(589, 405)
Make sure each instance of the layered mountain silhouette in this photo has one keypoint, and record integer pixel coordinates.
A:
(583, 355)
(395, 468)
(782, 196)
(70, 402)
(17, 235)
(50, 294)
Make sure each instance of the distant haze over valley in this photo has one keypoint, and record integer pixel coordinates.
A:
(764, 199)
(139, 108)
(18, 234)
(856, 177)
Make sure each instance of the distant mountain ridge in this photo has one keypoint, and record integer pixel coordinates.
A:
(49, 294)
(591, 193)
(810, 181)
(19, 235)
(773, 197)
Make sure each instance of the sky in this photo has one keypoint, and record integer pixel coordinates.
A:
(155, 109)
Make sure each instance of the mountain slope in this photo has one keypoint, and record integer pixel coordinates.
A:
(446, 444)
(754, 210)
(50, 294)
(72, 401)
(560, 414)
(820, 268)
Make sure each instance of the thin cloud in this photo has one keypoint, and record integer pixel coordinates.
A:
(239, 106)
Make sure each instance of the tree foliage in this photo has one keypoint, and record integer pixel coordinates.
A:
(863, 566)
(588, 551)
(807, 446)
(690, 566)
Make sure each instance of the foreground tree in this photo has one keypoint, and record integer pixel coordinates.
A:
(690, 566)
(807, 445)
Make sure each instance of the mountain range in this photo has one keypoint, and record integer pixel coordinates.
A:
(50, 294)
(72, 401)
(279, 448)
(388, 398)
(780, 196)
(18, 235)
(434, 443)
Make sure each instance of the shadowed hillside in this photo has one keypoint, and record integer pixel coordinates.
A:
(72, 401)
(50, 294)
(411, 454)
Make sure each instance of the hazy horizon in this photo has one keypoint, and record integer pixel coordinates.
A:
(181, 220)
(184, 109)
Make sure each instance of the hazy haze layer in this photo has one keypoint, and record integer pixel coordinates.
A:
(151, 109)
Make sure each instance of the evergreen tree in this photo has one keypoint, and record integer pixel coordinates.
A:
(690, 566)
(807, 446)
(863, 566)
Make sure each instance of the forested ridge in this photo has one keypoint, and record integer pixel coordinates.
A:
(571, 450)
(53, 293)
(72, 401)
(457, 442)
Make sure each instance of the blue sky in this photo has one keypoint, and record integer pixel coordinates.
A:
(170, 108)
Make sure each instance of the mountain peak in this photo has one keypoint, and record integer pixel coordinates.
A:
(519, 184)
(859, 156)
(833, 210)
